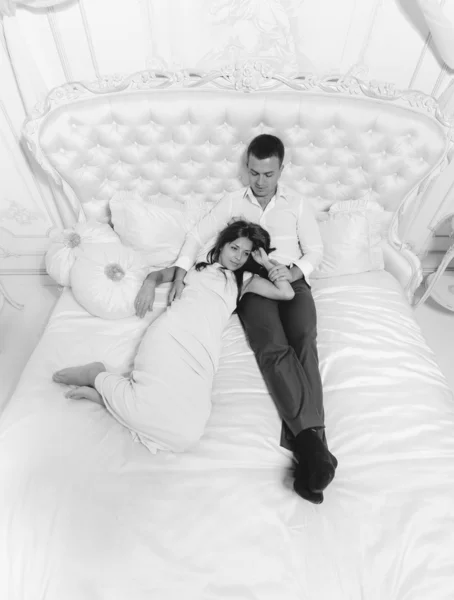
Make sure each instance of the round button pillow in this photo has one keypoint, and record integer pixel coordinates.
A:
(106, 278)
(65, 244)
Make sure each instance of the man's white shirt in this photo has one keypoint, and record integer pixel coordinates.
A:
(288, 218)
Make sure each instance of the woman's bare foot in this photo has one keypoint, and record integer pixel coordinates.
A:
(85, 393)
(84, 375)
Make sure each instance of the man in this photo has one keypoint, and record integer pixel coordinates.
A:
(281, 334)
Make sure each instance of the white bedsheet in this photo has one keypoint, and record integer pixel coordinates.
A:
(86, 513)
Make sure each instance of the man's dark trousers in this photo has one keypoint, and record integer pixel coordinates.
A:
(283, 336)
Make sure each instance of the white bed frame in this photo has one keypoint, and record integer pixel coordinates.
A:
(87, 512)
(182, 136)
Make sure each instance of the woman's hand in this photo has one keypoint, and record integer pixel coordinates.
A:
(145, 298)
(276, 271)
(176, 290)
(279, 272)
(261, 258)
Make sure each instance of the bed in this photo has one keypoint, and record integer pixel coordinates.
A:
(87, 512)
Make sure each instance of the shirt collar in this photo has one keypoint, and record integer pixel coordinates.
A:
(280, 194)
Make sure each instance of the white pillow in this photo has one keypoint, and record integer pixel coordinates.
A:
(105, 280)
(194, 211)
(352, 235)
(66, 243)
(156, 232)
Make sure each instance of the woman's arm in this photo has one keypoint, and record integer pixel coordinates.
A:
(281, 289)
(145, 297)
(164, 275)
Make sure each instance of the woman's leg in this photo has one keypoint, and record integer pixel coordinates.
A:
(81, 376)
(151, 406)
(157, 408)
(85, 393)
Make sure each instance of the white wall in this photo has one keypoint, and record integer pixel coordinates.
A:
(95, 38)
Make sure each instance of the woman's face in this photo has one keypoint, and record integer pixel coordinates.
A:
(234, 254)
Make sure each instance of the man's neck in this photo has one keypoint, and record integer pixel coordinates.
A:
(264, 200)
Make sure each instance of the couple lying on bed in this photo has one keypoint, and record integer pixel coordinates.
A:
(275, 305)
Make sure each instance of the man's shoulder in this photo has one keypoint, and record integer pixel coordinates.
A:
(235, 195)
(293, 197)
(231, 198)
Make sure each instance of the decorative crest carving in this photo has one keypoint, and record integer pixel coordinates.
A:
(246, 76)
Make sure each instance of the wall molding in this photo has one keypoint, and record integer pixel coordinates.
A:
(420, 60)
(441, 77)
(370, 29)
(89, 38)
(56, 34)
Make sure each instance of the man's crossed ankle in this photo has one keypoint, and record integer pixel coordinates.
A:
(314, 467)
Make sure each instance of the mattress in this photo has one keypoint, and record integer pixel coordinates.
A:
(88, 513)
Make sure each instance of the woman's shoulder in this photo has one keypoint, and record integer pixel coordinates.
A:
(247, 276)
(210, 270)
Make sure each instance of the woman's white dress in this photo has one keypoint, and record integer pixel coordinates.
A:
(166, 402)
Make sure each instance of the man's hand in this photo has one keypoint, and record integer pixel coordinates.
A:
(145, 298)
(176, 290)
(279, 272)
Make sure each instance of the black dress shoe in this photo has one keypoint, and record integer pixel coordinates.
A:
(300, 483)
(314, 460)
(307, 494)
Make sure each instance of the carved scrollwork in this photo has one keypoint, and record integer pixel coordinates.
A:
(5, 253)
(380, 89)
(4, 295)
(19, 213)
(106, 83)
(246, 76)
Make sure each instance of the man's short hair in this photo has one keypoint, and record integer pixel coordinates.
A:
(266, 145)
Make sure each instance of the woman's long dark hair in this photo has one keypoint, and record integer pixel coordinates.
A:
(259, 237)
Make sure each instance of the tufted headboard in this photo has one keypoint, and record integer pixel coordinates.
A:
(183, 137)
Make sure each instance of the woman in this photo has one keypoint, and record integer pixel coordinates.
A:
(166, 401)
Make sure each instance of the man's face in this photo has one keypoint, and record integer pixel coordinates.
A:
(263, 175)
